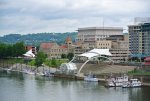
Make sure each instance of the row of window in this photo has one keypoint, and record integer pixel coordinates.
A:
(57, 50)
(103, 47)
(104, 44)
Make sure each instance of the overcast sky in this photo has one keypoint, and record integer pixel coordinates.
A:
(32, 16)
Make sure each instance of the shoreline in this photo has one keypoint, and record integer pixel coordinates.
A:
(102, 78)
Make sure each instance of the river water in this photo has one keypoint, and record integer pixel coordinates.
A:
(22, 87)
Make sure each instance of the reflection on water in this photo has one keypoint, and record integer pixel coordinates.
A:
(22, 87)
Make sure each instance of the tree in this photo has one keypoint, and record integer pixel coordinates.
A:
(70, 56)
(19, 49)
(5, 50)
(2, 50)
(53, 62)
(40, 58)
(63, 56)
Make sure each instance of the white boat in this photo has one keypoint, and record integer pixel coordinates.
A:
(132, 83)
(116, 82)
(91, 77)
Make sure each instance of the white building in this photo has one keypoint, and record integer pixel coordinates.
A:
(97, 33)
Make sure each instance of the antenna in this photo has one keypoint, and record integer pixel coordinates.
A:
(103, 25)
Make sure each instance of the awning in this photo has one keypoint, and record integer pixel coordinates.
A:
(140, 55)
(147, 59)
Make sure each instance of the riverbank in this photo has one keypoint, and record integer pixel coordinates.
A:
(21, 67)
(102, 71)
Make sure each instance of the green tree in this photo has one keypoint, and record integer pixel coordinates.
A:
(63, 56)
(53, 63)
(40, 58)
(70, 56)
(9, 51)
(5, 50)
(2, 50)
(19, 49)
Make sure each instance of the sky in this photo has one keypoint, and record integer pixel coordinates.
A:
(35, 16)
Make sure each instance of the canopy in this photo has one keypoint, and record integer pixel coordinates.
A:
(29, 54)
(139, 55)
(96, 52)
(147, 59)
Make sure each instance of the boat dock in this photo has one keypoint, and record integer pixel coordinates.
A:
(81, 77)
(145, 84)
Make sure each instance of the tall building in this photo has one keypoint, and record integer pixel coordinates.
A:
(139, 37)
(92, 34)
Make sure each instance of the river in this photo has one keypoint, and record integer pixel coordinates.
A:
(16, 86)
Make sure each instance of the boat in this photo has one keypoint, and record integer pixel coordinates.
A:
(132, 83)
(91, 77)
(117, 81)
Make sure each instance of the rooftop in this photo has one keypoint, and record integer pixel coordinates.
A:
(47, 45)
(101, 28)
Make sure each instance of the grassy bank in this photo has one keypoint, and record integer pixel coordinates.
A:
(139, 72)
(48, 62)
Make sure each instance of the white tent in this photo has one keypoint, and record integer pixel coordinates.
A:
(96, 52)
(29, 54)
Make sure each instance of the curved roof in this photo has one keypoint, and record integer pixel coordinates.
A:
(96, 52)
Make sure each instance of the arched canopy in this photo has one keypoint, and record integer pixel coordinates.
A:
(96, 52)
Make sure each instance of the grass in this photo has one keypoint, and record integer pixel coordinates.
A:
(55, 62)
(13, 60)
(138, 72)
(49, 62)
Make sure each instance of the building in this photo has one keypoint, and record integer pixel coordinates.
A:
(104, 38)
(103, 44)
(53, 50)
(97, 33)
(139, 37)
(120, 47)
(138, 20)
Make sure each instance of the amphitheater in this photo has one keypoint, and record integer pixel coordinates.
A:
(104, 68)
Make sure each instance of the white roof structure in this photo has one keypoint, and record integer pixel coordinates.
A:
(96, 52)
(29, 54)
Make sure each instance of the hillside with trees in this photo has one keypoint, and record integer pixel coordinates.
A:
(37, 38)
